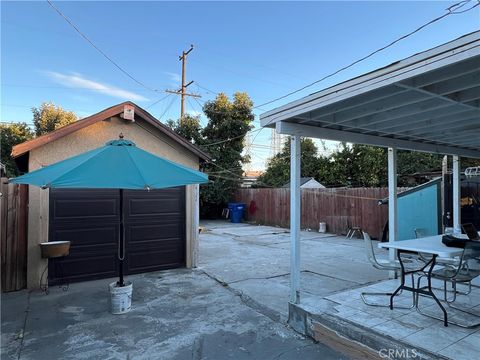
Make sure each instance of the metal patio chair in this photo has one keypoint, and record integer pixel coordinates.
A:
(382, 264)
(419, 233)
(467, 269)
(447, 262)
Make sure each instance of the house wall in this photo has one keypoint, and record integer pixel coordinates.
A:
(91, 137)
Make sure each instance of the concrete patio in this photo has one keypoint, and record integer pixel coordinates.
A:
(178, 314)
(382, 328)
(254, 261)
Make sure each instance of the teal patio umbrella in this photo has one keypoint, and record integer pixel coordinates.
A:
(120, 164)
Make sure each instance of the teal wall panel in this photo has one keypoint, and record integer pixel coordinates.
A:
(419, 209)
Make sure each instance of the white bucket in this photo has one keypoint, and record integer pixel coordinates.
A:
(322, 227)
(121, 297)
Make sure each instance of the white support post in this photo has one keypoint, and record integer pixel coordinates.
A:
(295, 158)
(457, 221)
(442, 191)
(392, 202)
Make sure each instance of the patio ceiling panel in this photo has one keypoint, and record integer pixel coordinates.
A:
(427, 102)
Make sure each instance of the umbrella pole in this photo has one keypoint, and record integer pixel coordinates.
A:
(121, 245)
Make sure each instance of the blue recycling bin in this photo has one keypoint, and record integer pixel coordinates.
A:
(236, 211)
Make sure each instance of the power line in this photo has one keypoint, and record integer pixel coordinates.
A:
(216, 93)
(235, 137)
(450, 10)
(46, 86)
(259, 64)
(241, 75)
(157, 101)
(198, 102)
(206, 89)
(100, 50)
(167, 108)
(224, 112)
(193, 109)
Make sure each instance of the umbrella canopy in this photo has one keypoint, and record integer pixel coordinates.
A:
(120, 164)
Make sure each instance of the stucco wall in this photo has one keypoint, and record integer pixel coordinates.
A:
(141, 133)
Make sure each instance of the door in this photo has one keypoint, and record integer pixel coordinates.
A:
(90, 219)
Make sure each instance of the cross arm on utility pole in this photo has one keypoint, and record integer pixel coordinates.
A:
(179, 92)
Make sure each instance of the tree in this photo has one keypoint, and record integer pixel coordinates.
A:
(278, 168)
(469, 162)
(350, 165)
(357, 165)
(410, 162)
(223, 138)
(189, 127)
(49, 117)
(12, 135)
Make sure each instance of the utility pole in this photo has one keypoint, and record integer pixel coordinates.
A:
(183, 90)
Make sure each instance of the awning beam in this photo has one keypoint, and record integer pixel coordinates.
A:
(457, 99)
(379, 105)
(465, 67)
(339, 135)
(449, 118)
(419, 120)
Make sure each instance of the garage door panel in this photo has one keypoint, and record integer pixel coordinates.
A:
(153, 205)
(155, 260)
(161, 244)
(96, 235)
(159, 219)
(72, 268)
(84, 205)
(152, 232)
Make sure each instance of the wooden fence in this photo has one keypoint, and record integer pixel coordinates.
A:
(13, 235)
(339, 208)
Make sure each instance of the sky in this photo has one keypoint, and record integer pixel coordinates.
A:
(266, 49)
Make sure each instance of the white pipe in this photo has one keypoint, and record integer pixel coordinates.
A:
(295, 159)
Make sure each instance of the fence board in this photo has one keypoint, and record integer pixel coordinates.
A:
(13, 235)
(339, 208)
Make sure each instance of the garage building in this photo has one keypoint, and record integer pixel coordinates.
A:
(161, 225)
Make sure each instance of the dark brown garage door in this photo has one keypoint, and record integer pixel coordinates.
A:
(90, 219)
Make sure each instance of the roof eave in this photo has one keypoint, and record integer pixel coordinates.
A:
(115, 110)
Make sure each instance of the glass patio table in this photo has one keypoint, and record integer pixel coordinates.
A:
(431, 245)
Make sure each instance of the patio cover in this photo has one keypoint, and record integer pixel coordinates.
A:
(427, 102)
